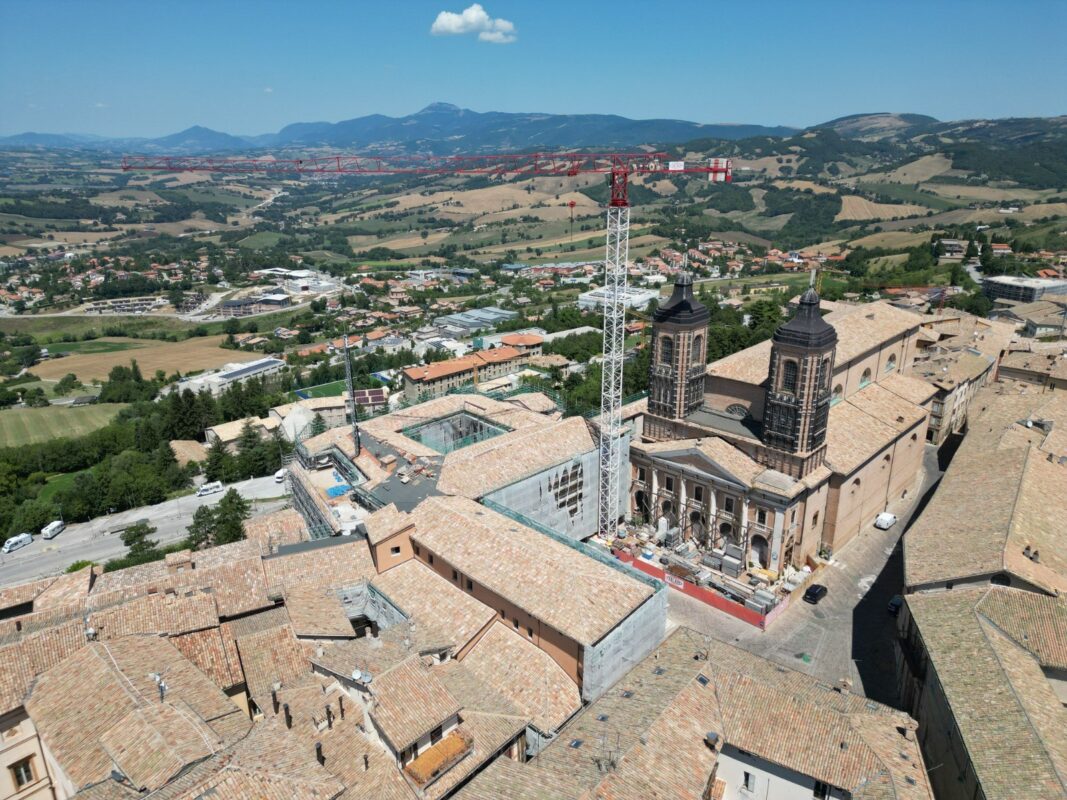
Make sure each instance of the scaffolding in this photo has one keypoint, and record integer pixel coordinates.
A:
(611, 451)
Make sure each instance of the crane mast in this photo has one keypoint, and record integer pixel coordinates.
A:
(620, 166)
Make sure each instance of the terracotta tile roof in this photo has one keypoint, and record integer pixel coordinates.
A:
(344, 561)
(160, 613)
(376, 654)
(484, 467)
(534, 683)
(656, 718)
(389, 428)
(534, 401)
(68, 590)
(23, 592)
(230, 431)
(1015, 496)
(441, 610)
(528, 568)
(28, 655)
(490, 733)
(316, 611)
(522, 339)
(271, 531)
(853, 437)
(860, 329)
(384, 522)
(1010, 721)
(269, 657)
(409, 702)
(914, 390)
(152, 744)
(111, 720)
(207, 650)
(440, 369)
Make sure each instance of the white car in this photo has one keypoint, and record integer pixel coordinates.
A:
(885, 521)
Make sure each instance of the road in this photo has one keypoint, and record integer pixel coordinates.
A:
(847, 639)
(91, 540)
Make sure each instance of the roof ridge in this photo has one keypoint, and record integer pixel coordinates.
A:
(1015, 694)
(1019, 483)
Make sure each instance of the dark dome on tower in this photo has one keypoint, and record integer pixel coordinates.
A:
(808, 328)
(682, 308)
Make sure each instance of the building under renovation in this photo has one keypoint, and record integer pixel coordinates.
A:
(751, 465)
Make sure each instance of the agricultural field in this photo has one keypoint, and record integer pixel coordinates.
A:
(51, 328)
(261, 240)
(190, 355)
(106, 345)
(21, 426)
(855, 208)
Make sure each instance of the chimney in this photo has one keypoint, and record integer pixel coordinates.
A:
(274, 699)
(318, 753)
(329, 716)
(341, 705)
(1036, 557)
(288, 716)
(366, 762)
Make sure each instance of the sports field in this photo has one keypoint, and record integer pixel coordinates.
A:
(19, 426)
(334, 389)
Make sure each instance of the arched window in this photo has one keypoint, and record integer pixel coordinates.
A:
(737, 410)
(837, 395)
(891, 362)
(698, 355)
(789, 377)
(826, 373)
(865, 378)
(666, 350)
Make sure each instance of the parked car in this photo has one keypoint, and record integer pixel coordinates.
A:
(17, 541)
(53, 529)
(815, 593)
(281, 475)
(895, 604)
(885, 521)
(209, 488)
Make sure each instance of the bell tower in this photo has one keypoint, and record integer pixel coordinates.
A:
(679, 347)
(797, 403)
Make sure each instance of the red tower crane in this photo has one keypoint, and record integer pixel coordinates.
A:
(619, 166)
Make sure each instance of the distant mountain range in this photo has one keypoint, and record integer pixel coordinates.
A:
(443, 128)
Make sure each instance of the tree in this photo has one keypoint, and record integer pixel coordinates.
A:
(230, 515)
(219, 465)
(136, 539)
(201, 531)
(972, 249)
(318, 425)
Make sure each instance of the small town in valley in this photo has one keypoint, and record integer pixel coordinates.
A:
(493, 455)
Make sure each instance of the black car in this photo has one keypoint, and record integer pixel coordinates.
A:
(815, 593)
(895, 604)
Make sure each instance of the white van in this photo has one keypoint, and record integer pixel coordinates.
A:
(209, 488)
(53, 529)
(281, 475)
(15, 542)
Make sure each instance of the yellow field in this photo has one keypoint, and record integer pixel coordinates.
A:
(409, 240)
(801, 186)
(121, 197)
(891, 239)
(768, 163)
(173, 180)
(989, 192)
(917, 171)
(827, 248)
(186, 356)
(859, 208)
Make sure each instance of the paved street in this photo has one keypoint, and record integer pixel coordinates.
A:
(91, 540)
(848, 635)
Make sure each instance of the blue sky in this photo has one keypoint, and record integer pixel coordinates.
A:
(151, 68)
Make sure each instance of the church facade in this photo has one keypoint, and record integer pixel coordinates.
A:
(787, 448)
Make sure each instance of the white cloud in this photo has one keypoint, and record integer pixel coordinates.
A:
(474, 19)
(268, 90)
(100, 105)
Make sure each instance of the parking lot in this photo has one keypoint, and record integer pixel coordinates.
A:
(847, 639)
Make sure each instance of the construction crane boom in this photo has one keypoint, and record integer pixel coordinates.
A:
(620, 166)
